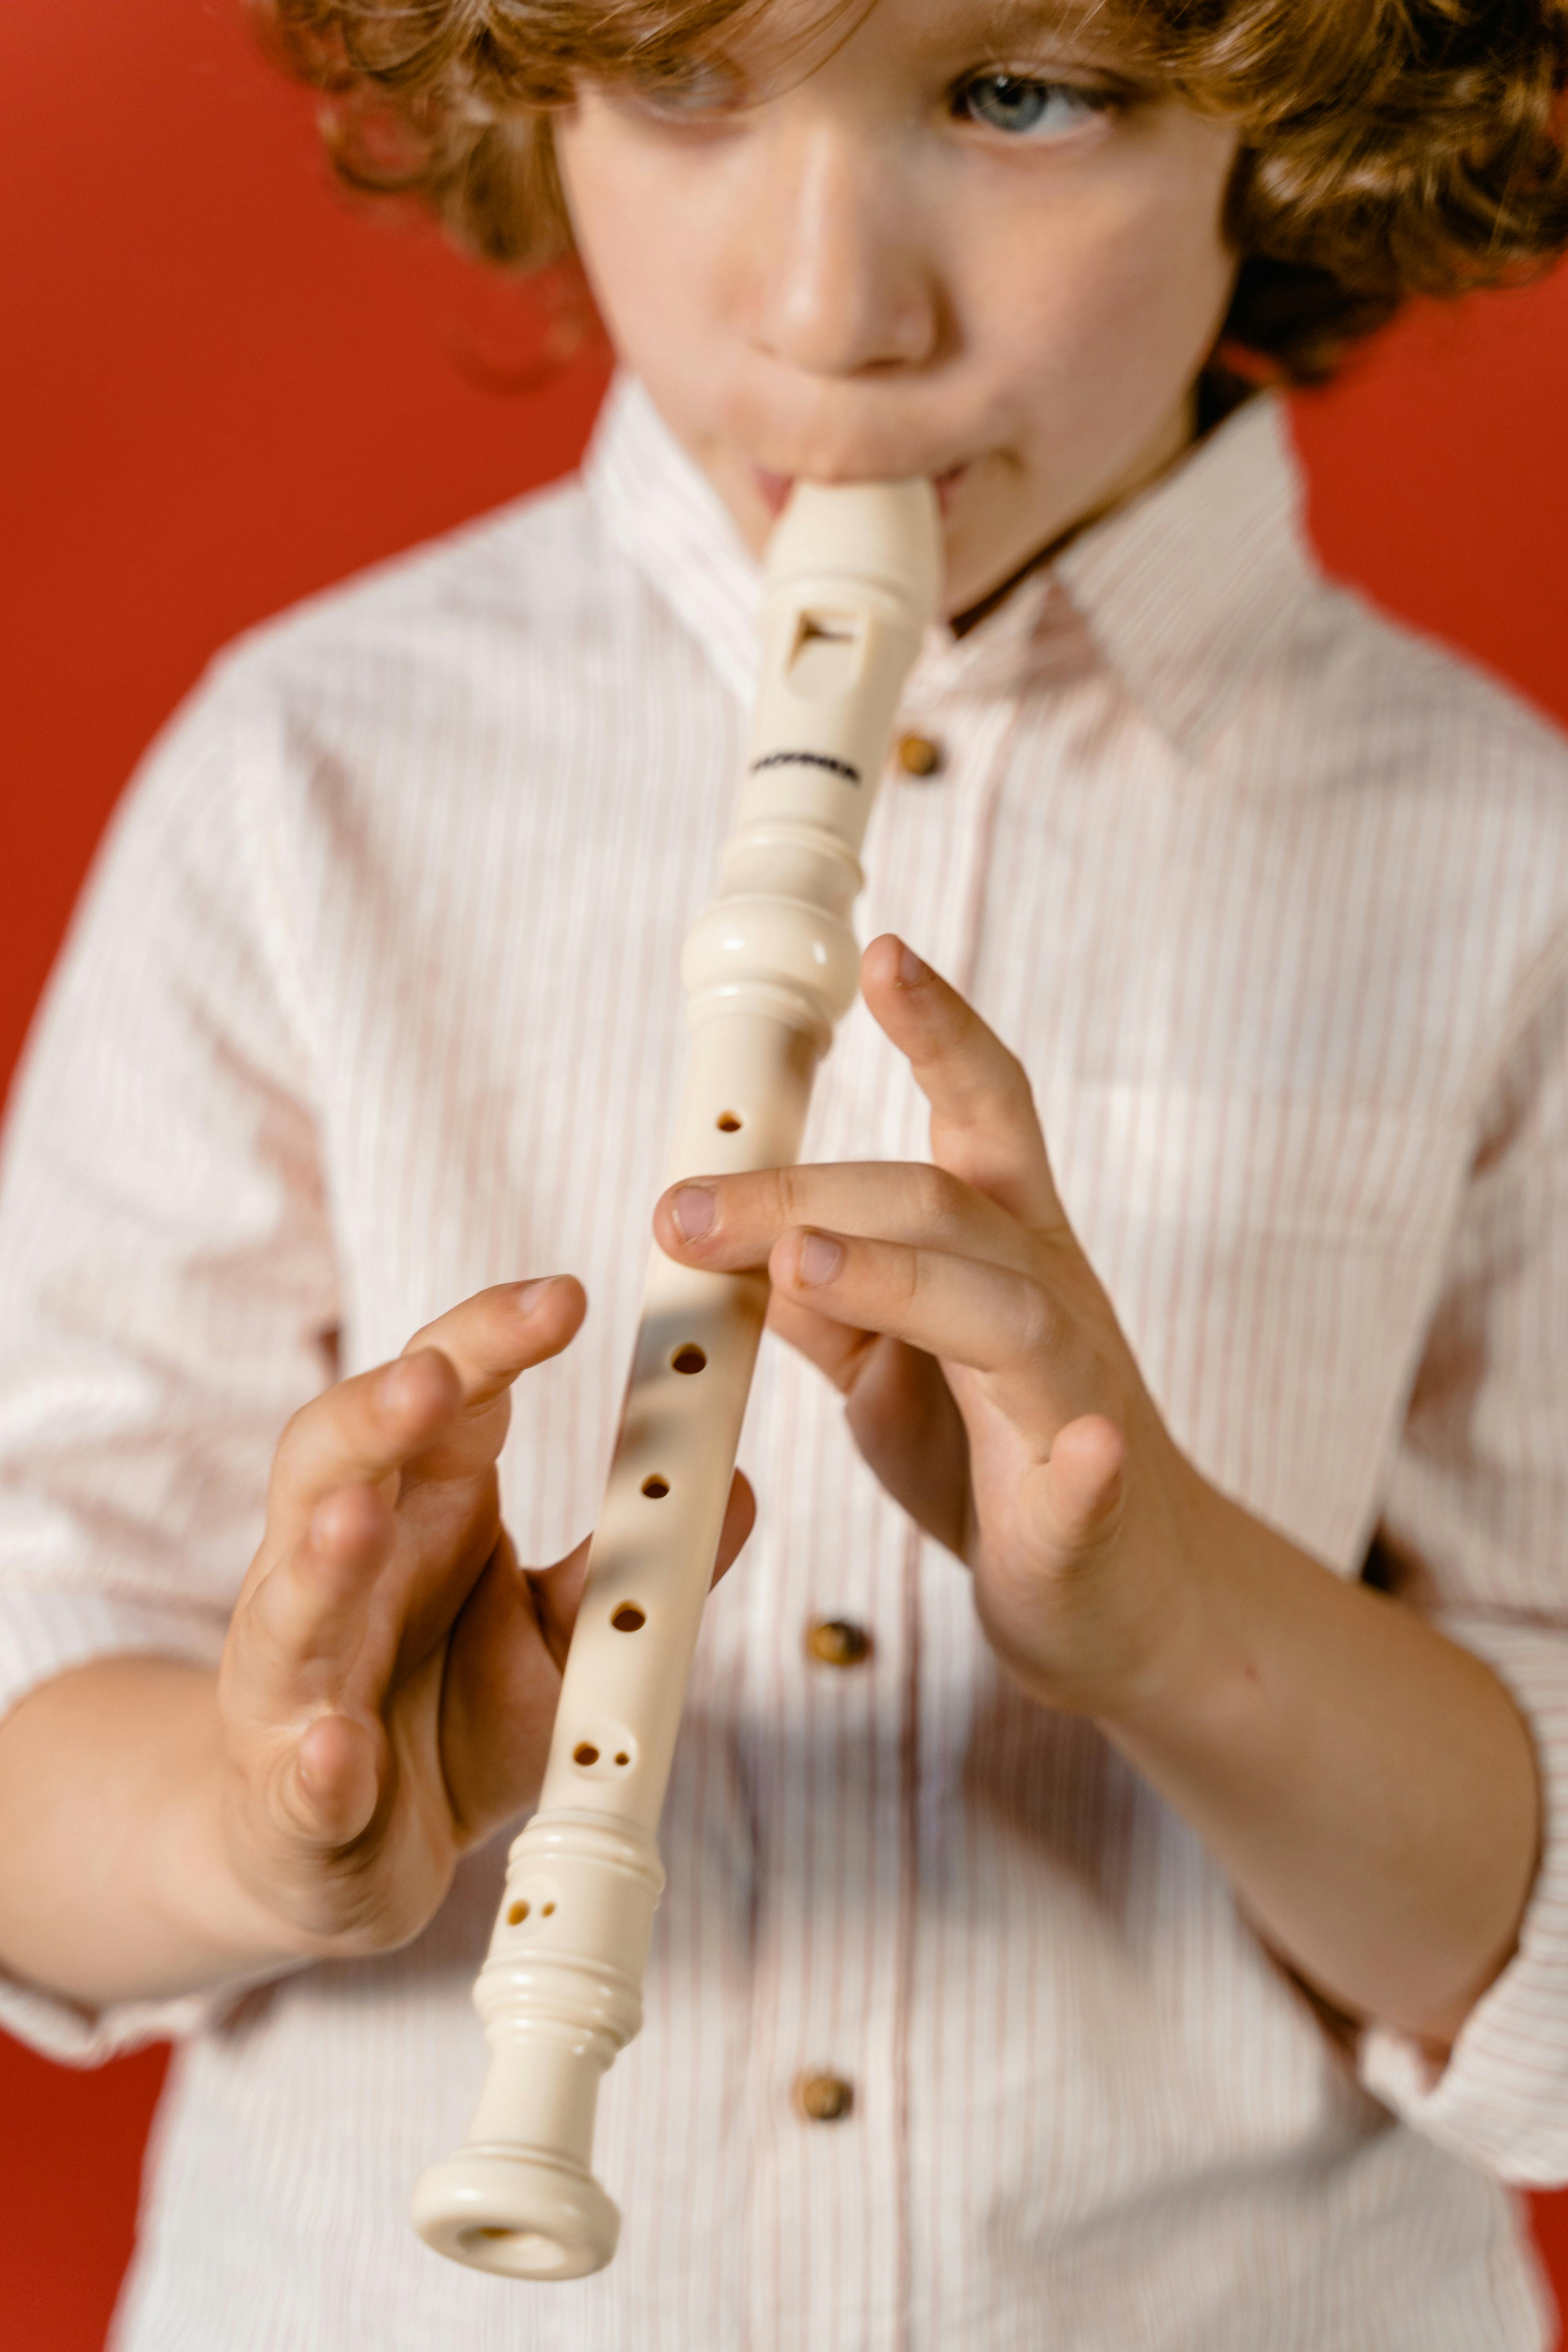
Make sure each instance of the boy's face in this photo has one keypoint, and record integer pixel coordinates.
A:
(962, 243)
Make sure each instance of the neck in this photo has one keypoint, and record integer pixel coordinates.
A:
(1191, 418)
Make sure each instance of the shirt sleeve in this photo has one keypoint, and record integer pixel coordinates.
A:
(1475, 1520)
(167, 1284)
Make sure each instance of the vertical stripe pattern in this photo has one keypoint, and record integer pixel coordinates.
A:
(374, 999)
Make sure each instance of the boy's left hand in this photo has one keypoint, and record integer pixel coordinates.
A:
(1370, 1787)
(988, 1383)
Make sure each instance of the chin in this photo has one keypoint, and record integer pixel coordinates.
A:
(980, 562)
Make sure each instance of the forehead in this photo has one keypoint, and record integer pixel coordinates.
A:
(1084, 23)
(807, 31)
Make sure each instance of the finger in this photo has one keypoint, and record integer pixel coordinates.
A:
(901, 1413)
(372, 1427)
(301, 1624)
(503, 1676)
(740, 1519)
(990, 1319)
(1077, 1498)
(489, 1339)
(358, 1433)
(983, 1125)
(732, 1222)
(297, 1636)
(498, 1700)
(332, 1791)
(558, 1590)
(904, 1418)
(837, 1350)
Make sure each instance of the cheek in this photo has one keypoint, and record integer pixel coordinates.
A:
(1098, 315)
(640, 233)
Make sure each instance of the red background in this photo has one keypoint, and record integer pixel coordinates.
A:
(222, 387)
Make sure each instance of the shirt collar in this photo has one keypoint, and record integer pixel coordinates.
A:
(1189, 587)
(660, 510)
(1181, 593)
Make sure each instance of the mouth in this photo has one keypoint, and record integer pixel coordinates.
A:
(773, 490)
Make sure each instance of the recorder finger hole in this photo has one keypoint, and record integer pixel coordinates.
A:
(604, 1751)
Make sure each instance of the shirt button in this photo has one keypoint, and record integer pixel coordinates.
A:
(918, 756)
(824, 2098)
(834, 1642)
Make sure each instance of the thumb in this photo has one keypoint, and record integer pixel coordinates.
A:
(558, 1590)
(1080, 1493)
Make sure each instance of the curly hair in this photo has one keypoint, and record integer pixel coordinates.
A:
(1388, 148)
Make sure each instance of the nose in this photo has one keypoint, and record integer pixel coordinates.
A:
(836, 278)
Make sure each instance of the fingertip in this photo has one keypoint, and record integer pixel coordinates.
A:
(880, 962)
(549, 1312)
(889, 964)
(558, 1296)
(807, 1259)
(685, 1215)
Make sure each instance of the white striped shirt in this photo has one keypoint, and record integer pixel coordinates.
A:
(374, 1000)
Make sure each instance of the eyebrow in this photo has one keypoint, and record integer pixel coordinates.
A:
(1001, 23)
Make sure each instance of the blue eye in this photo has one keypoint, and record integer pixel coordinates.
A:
(1027, 108)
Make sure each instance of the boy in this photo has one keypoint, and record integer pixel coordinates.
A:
(1155, 1937)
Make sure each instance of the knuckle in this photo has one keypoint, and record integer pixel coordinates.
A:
(938, 1198)
(913, 1275)
(1040, 1322)
(308, 1421)
(425, 1336)
(786, 1196)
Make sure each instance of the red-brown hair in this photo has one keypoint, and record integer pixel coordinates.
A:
(1389, 148)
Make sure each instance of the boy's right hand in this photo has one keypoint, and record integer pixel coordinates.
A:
(389, 1682)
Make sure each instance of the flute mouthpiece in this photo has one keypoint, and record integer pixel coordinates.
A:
(886, 534)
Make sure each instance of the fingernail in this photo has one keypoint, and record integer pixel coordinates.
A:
(692, 1211)
(911, 971)
(526, 1297)
(820, 1258)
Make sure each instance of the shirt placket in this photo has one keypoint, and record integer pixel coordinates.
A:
(832, 1732)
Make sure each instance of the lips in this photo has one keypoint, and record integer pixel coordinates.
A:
(773, 490)
(946, 484)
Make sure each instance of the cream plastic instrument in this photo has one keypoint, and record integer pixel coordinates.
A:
(853, 576)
